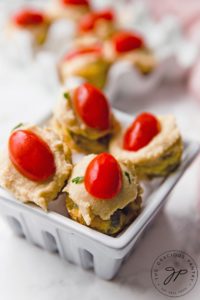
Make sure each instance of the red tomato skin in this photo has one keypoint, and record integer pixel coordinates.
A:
(141, 132)
(103, 177)
(31, 156)
(92, 107)
(88, 22)
(107, 15)
(126, 41)
(96, 50)
(76, 2)
(28, 17)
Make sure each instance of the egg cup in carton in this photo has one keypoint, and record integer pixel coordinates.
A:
(27, 30)
(124, 79)
(48, 26)
(165, 37)
(167, 55)
(24, 32)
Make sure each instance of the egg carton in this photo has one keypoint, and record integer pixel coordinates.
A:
(81, 245)
(174, 53)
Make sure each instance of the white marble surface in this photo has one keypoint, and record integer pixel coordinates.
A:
(27, 272)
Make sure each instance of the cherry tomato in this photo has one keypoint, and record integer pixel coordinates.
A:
(77, 52)
(28, 17)
(103, 177)
(126, 41)
(31, 156)
(75, 2)
(92, 107)
(88, 21)
(141, 132)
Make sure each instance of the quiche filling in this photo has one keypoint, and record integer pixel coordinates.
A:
(164, 165)
(101, 31)
(142, 58)
(57, 10)
(41, 193)
(99, 24)
(158, 158)
(92, 68)
(108, 216)
(74, 132)
(117, 222)
(95, 146)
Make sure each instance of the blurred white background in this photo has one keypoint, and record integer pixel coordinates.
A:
(27, 272)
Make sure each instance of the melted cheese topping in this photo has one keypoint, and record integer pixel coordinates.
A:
(102, 208)
(167, 137)
(29, 191)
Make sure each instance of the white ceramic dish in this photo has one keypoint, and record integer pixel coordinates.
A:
(80, 244)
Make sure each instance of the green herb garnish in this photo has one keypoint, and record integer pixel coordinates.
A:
(66, 95)
(17, 126)
(128, 176)
(78, 179)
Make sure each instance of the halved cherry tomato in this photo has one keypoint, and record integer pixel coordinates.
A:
(31, 156)
(141, 132)
(88, 21)
(84, 51)
(92, 106)
(127, 41)
(75, 2)
(28, 17)
(103, 177)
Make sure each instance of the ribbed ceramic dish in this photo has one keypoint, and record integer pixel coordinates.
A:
(84, 246)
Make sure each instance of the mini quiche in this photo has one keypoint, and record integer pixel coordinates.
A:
(88, 63)
(153, 144)
(83, 119)
(35, 165)
(103, 193)
(68, 9)
(128, 46)
(30, 20)
(97, 25)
